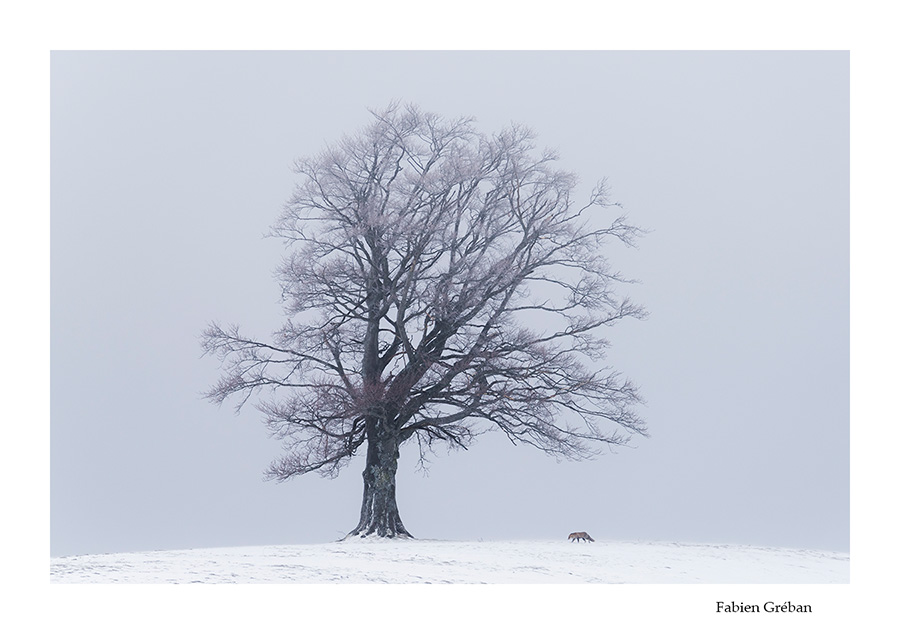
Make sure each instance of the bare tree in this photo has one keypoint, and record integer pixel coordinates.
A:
(439, 282)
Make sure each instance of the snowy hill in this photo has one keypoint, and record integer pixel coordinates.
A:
(430, 561)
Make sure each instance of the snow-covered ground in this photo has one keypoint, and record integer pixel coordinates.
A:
(431, 561)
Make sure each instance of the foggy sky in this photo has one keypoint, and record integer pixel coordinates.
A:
(168, 168)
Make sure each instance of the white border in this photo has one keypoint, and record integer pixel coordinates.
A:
(30, 30)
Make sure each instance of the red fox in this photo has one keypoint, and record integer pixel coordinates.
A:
(579, 536)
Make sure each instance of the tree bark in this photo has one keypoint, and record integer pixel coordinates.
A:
(379, 515)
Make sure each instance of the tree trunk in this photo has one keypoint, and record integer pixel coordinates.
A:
(379, 515)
